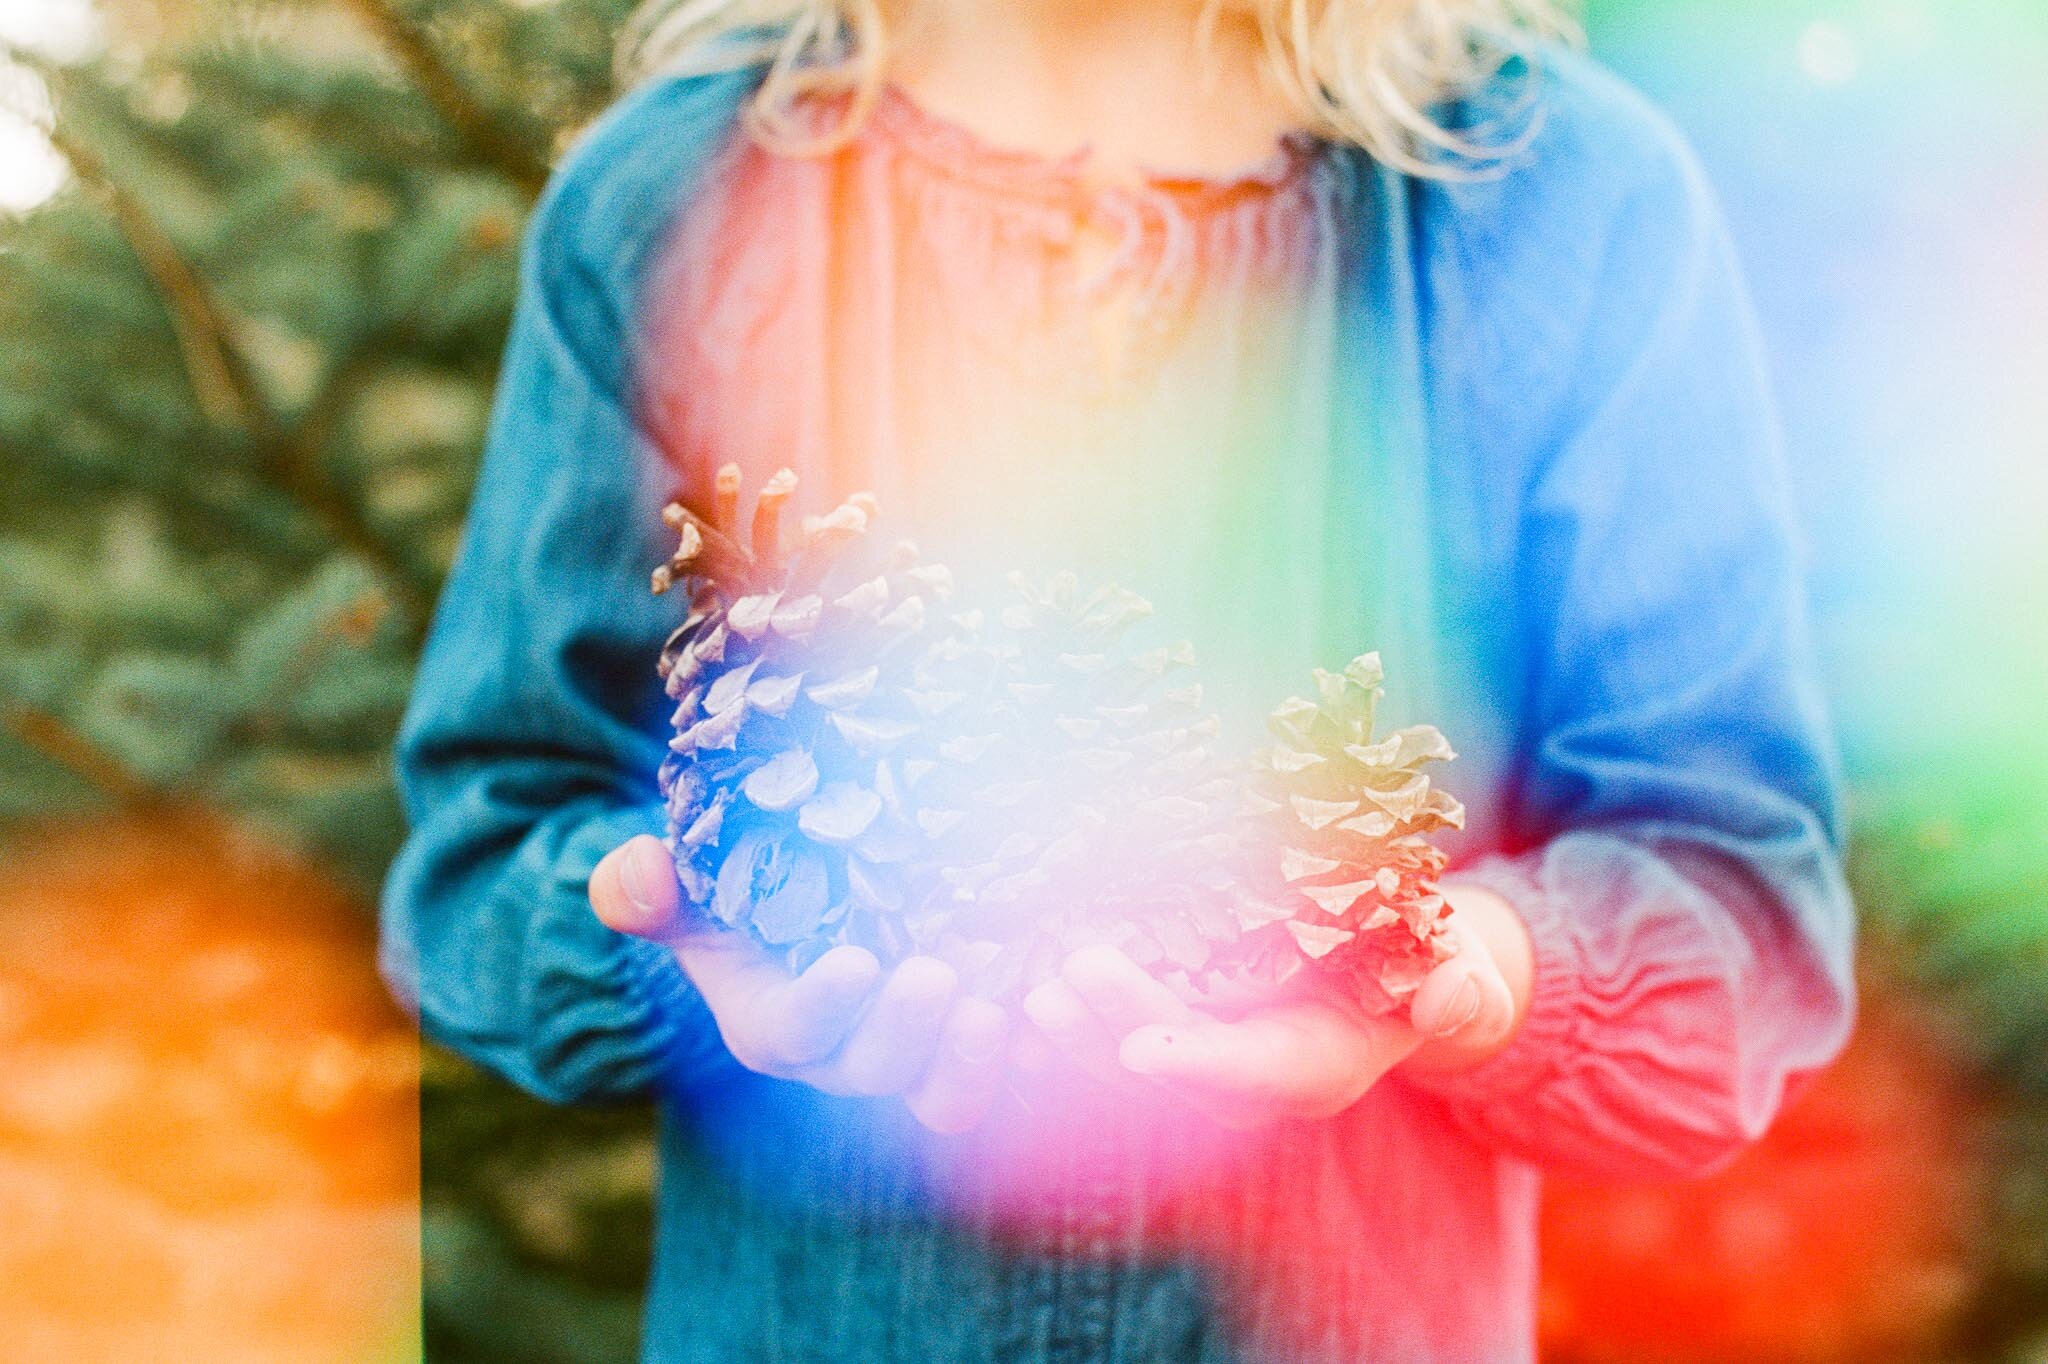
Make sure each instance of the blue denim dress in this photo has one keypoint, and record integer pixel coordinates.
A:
(1571, 538)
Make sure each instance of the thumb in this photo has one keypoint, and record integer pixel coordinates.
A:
(634, 888)
(1464, 1000)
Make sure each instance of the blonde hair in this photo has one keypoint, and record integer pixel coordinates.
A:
(1369, 72)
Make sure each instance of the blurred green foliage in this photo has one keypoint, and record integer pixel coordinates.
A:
(1950, 868)
(536, 1223)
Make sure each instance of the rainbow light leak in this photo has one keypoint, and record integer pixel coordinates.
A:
(1882, 167)
(1884, 164)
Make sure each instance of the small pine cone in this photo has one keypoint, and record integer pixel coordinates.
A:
(1343, 821)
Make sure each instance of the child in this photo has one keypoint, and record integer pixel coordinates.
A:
(1429, 340)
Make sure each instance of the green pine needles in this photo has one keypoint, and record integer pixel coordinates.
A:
(250, 352)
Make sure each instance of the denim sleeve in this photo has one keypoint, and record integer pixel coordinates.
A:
(533, 735)
(1675, 807)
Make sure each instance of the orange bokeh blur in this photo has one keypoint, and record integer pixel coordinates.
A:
(208, 1105)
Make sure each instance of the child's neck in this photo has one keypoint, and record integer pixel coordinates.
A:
(1123, 77)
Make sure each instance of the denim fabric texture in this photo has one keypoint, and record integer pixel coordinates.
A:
(1575, 547)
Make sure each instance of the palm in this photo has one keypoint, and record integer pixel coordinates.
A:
(841, 1026)
(1297, 1059)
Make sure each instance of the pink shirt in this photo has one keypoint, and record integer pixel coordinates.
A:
(1031, 370)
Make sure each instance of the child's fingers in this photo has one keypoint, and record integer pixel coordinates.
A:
(893, 1043)
(1066, 1021)
(800, 1022)
(1307, 1062)
(733, 975)
(770, 1022)
(1251, 1059)
(1211, 1072)
(1029, 1051)
(966, 1070)
(729, 970)
(1120, 992)
(634, 889)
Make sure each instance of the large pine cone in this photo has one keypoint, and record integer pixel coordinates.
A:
(855, 761)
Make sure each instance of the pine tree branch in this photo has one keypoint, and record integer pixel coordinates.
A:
(45, 734)
(412, 591)
(445, 89)
(208, 500)
(226, 385)
(226, 389)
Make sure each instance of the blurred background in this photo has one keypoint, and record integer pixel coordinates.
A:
(256, 264)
